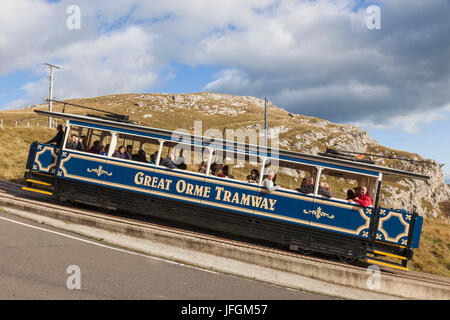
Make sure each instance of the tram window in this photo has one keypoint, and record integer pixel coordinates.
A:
(98, 141)
(342, 184)
(293, 176)
(237, 166)
(138, 148)
(185, 157)
(88, 140)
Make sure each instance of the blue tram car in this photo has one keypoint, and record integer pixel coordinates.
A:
(95, 173)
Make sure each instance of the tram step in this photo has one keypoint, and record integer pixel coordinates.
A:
(37, 190)
(44, 174)
(39, 182)
(385, 263)
(387, 254)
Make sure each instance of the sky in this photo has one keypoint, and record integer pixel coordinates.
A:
(381, 65)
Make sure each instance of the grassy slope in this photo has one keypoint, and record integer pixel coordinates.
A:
(433, 256)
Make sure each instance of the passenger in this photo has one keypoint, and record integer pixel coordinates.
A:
(225, 172)
(96, 147)
(202, 167)
(179, 161)
(323, 190)
(75, 143)
(59, 138)
(253, 177)
(153, 158)
(215, 167)
(268, 182)
(307, 186)
(362, 197)
(129, 151)
(120, 153)
(169, 161)
(103, 151)
(83, 140)
(140, 156)
(350, 194)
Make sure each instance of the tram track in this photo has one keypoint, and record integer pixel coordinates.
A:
(14, 191)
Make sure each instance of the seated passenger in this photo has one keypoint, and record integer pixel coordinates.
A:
(351, 194)
(307, 186)
(202, 167)
(153, 158)
(103, 151)
(169, 161)
(140, 156)
(96, 147)
(129, 151)
(362, 197)
(75, 143)
(225, 173)
(83, 140)
(215, 167)
(179, 161)
(253, 177)
(323, 190)
(269, 182)
(120, 153)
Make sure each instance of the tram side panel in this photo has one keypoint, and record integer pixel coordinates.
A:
(398, 231)
(42, 158)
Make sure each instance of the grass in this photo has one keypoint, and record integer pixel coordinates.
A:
(433, 255)
(14, 146)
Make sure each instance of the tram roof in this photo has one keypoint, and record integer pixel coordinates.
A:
(303, 158)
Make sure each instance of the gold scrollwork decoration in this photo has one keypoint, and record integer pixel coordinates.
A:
(99, 171)
(318, 213)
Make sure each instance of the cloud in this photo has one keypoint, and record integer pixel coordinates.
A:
(409, 123)
(311, 57)
(318, 58)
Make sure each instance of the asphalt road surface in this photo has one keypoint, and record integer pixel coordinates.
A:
(42, 262)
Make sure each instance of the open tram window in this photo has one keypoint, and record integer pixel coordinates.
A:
(88, 140)
(346, 185)
(292, 176)
(239, 166)
(184, 156)
(136, 148)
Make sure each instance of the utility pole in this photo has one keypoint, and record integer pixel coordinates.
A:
(265, 120)
(50, 125)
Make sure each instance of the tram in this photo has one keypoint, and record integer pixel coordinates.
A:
(229, 205)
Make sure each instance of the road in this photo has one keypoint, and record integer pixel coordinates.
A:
(42, 262)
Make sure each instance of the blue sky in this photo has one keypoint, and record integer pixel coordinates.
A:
(317, 58)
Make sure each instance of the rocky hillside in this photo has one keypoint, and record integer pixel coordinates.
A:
(296, 133)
